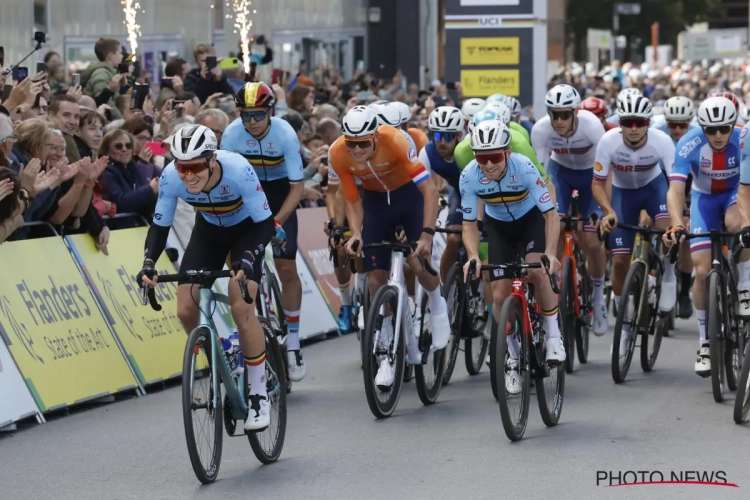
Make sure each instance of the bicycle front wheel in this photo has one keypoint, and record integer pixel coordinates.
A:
(279, 327)
(429, 376)
(626, 331)
(715, 317)
(514, 405)
(550, 391)
(568, 313)
(734, 346)
(201, 407)
(454, 293)
(585, 320)
(742, 398)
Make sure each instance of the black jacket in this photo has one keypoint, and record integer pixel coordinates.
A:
(204, 88)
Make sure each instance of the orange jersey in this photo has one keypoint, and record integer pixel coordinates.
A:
(419, 138)
(392, 165)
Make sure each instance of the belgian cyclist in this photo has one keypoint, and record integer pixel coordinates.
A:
(234, 220)
(271, 146)
(518, 212)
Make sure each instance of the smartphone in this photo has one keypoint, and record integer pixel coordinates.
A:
(177, 106)
(76, 79)
(276, 77)
(364, 96)
(123, 68)
(41, 67)
(158, 148)
(210, 62)
(450, 85)
(138, 96)
(2, 56)
(137, 69)
(20, 73)
(167, 82)
(229, 63)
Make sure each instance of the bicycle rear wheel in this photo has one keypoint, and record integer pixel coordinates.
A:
(205, 402)
(382, 403)
(429, 376)
(279, 328)
(550, 391)
(454, 293)
(585, 318)
(514, 408)
(568, 313)
(742, 398)
(626, 330)
(656, 328)
(734, 347)
(715, 318)
(475, 345)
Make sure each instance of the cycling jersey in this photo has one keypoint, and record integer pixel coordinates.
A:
(333, 179)
(745, 157)
(575, 152)
(520, 190)
(433, 162)
(238, 195)
(275, 157)
(521, 130)
(418, 137)
(464, 154)
(393, 164)
(713, 172)
(633, 168)
(664, 128)
(408, 138)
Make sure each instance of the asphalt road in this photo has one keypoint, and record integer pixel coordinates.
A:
(663, 421)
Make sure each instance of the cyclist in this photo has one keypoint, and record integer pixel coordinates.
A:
(395, 194)
(678, 121)
(633, 153)
(271, 146)
(234, 220)
(712, 156)
(620, 96)
(599, 109)
(565, 142)
(743, 201)
(388, 113)
(737, 105)
(470, 108)
(519, 211)
(515, 113)
(420, 138)
(446, 124)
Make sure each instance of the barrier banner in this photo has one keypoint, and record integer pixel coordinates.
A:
(55, 332)
(153, 341)
(17, 402)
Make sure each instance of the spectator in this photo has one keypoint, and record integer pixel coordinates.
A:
(98, 75)
(11, 206)
(7, 140)
(90, 127)
(329, 130)
(326, 111)
(301, 99)
(190, 103)
(229, 107)
(215, 119)
(122, 182)
(65, 113)
(56, 79)
(172, 82)
(38, 109)
(52, 59)
(143, 131)
(203, 82)
(179, 123)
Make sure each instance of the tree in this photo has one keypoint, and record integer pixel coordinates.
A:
(673, 17)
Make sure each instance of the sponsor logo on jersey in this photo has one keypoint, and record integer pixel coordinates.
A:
(731, 161)
(530, 166)
(270, 145)
(687, 148)
(412, 155)
(545, 198)
(598, 167)
(252, 144)
(744, 132)
(259, 188)
(705, 163)
(224, 189)
(157, 216)
(484, 180)
(540, 182)
(513, 178)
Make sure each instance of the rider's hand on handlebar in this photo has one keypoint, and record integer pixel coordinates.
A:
(673, 235)
(477, 268)
(608, 223)
(327, 227)
(147, 276)
(554, 264)
(744, 235)
(243, 268)
(350, 243)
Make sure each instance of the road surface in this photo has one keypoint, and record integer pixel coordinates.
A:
(663, 421)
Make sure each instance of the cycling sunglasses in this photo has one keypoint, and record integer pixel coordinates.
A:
(358, 143)
(634, 122)
(258, 116)
(560, 115)
(444, 136)
(678, 125)
(723, 130)
(494, 157)
(191, 168)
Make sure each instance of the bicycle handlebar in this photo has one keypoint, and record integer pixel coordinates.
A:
(405, 248)
(713, 235)
(517, 267)
(448, 231)
(195, 278)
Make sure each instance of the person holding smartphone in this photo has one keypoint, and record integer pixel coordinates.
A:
(98, 75)
(208, 78)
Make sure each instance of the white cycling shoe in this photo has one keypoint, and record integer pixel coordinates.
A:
(668, 296)
(744, 308)
(703, 363)
(441, 330)
(601, 319)
(259, 416)
(555, 350)
(386, 374)
(513, 377)
(297, 366)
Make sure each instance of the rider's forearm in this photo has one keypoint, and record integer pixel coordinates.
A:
(296, 192)
(551, 231)
(676, 202)
(599, 190)
(552, 193)
(430, 194)
(354, 213)
(470, 236)
(339, 207)
(743, 202)
(331, 201)
(156, 241)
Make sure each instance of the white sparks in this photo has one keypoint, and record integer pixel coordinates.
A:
(243, 23)
(131, 8)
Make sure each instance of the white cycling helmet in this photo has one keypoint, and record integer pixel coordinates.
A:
(360, 121)
(387, 114)
(446, 119)
(501, 109)
(513, 104)
(496, 98)
(744, 113)
(379, 102)
(193, 142)
(628, 92)
(405, 111)
(483, 116)
(635, 106)
(717, 111)
(472, 106)
(679, 109)
(562, 97)
(490, 135)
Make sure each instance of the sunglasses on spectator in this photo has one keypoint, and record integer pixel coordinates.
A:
(122, 146)
(723, 130)
(247, 116)
(495, 157)
(560, 115)
(678, 125)
(634, 122)
(361, 144)
(191, 168)
(444, 136)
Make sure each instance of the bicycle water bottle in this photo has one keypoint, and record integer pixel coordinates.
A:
(234, 338)
(231, 353)
(651, 289)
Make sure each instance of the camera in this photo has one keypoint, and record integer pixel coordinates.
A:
(40, 37)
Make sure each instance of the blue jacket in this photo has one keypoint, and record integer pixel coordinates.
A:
(128, 188)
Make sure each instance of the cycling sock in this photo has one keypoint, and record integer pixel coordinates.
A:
(701, 315)
(361, 282)
(437, 303)
(550, 318)
(598, 296)
(292, 330)
(489, 313)
(514, 345)
(686, 280)
(743, 270)
(616, 298)
(669, 276)
(256, 373)
(346, 295)
(386, 331)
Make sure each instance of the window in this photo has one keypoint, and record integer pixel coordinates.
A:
(218, 8)
(40, 15)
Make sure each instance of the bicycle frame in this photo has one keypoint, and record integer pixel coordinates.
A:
(570, 242)
(643, 251)
(518, 289)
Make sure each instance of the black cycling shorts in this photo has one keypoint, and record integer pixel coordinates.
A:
(276, 193)
(210, 244)
(509, 240)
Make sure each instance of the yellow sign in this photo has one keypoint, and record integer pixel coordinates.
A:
(58, 337)
(154, 341)
(484, 82)
(489, 51)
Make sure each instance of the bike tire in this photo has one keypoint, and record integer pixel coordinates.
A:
(475, 351)
(715, 317)
(365, 305)
(276, 290)
(633, 285)
(584, 321)
(198, 338)
(454, 280)
(550, 409)
(275, 375)
(733, 339)
(742, 398)
(429, 391)
(385, 295)
(568, 313)
(513, 429)
(656, 328)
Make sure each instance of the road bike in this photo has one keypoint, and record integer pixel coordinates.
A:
(204, 349)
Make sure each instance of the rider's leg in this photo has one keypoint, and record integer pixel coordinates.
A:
(450, 254)
(685, 266)
(291, 299)
(656, 206)
(734, 223)
(596, 261)
(343, 278)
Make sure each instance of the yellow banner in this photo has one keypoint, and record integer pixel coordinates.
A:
(484, 82)
(154, 341)
(489, 51)
(56, 333)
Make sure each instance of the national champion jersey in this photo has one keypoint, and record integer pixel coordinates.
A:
(713, 171)
(633, 168)
(333, 179)
(433, 162)
(576, 152)
(393, 163)
(237, 196)
(664, 128)
(464, 154)
(520, 189)
(276, 156)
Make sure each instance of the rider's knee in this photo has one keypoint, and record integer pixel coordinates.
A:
(620, 266)
(287, 270)
(499, 295)
(702, 267)
(186, 312)
(453, 240)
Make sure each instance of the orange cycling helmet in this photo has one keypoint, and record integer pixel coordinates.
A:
(594, 105)
(255, 95)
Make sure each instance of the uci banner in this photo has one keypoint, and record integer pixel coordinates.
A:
(54, 330)
(154, 341)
